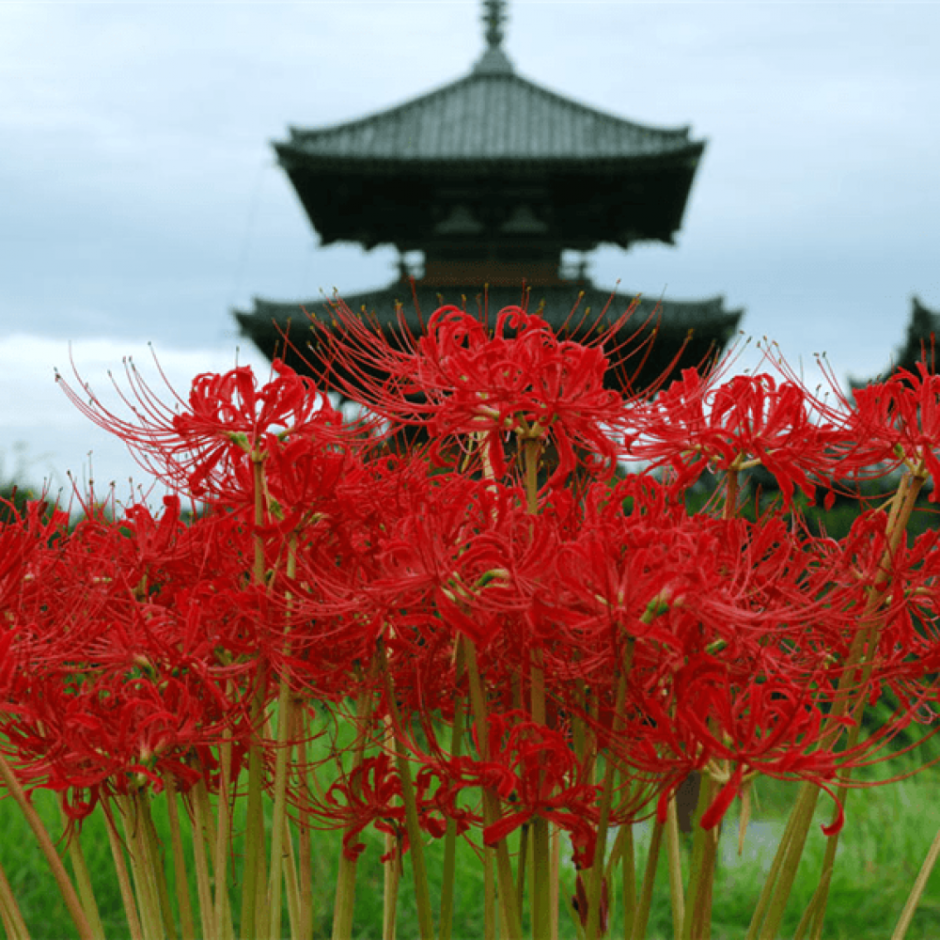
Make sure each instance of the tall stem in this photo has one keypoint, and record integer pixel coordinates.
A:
(202, 842)
(187, 925)
(123, 878)
(491, 809)
(223, 834)
(642, 916)
(10, 913)
(596, 883)
(850, 694)
(697, 921)
(345, 902)
(418, 868)
(253, 887)
(69, 895)
(450, 839)
(82, 878)
(674, 854)
(279, 829)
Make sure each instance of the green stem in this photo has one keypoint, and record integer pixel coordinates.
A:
(811, 908)
(68, 892)
(450, 838)
(641, 920)
(292, 892)
(412, 823)
(904, 921)
(82, 878)
(181, 880)
(223, 836)
(142, 868)
(596, 884)
(279, 829)
(525, 850)
(697, 921)
(789, 853)
(391, 880)
(154, 850)
(12, 917)
(305, 837)
(674, 854)
(344, 906)
(202, 841)
(254, 879)
(542, 914)
(491, 809)
(489, 894)
(123, 878)
(628, 878)
(532, 453)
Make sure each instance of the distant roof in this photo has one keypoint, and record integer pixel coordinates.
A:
(920, 343)
(492, 115)
(503, 143)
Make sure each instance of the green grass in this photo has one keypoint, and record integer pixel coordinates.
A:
(887, 833)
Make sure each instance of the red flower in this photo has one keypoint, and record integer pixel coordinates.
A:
(897, 422)
(745, 422)
(201, 442)
(462, 378)
(539, 776)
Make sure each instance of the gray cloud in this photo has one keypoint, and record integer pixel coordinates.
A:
(139, 198)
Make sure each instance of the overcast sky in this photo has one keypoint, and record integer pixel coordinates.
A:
(140, 200)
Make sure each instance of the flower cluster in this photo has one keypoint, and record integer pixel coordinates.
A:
(512, 651)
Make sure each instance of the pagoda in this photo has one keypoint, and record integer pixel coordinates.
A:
(491, 177)
(920, 342)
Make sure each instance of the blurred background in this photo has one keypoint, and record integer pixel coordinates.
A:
(141, 202)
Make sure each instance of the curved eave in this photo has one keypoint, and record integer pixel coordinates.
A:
(294, 159)
(694, 331)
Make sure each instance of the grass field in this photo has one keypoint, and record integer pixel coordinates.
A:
(888, 831)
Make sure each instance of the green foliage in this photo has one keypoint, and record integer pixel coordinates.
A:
(888, 831)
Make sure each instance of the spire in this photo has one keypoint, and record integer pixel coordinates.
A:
(494, 16)
(494, 61)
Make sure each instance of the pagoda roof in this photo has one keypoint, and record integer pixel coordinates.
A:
(490, 117)
(461, 165)
(701, 329)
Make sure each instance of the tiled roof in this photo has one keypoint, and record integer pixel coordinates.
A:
(491, 115)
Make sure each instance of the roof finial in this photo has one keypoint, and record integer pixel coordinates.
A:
(494, 15)
(494, 61)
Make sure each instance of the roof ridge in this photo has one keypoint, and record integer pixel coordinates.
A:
(485, 75)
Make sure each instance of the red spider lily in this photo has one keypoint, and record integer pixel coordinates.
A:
(745, 422)
(127, 664)
(472, 549)
(732, 726)
(676, 585)
(369, 794)
(226, 419)
(897, 422)
(535, 773)
(462, 378)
